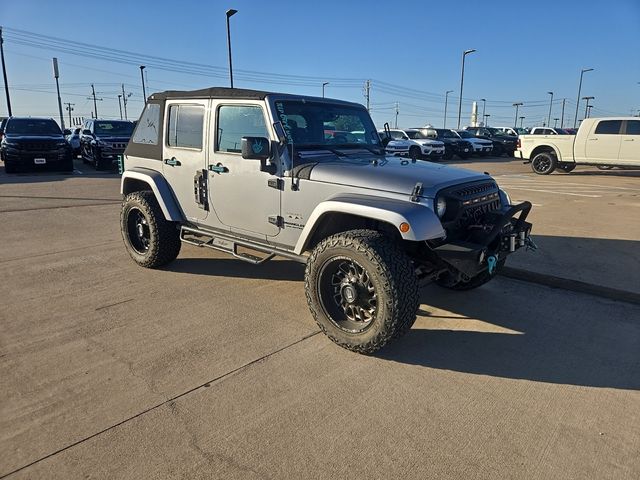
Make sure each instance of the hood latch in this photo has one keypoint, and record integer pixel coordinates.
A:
(415, 194)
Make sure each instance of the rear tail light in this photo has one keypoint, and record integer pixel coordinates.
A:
(518, 144)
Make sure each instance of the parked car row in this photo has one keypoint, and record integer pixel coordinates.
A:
(30, 141)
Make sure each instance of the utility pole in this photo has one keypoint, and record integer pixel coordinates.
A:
(69, 108)
(562, 116)
(124, 101)
(56, 74)
(586, 109)
(367, 91)
(397, 112)
(120, 104)
(95, 105)
(4, 74)
(519, 104)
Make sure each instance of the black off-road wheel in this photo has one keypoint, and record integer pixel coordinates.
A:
(498, 150)
(544, 163)
(448, 154)
(414, 153)
(151, 240)
(475, 282)
(361, 289)
(96, 157)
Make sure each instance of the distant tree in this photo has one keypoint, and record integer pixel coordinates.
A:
(347, 123)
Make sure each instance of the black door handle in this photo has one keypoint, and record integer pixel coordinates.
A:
(173, 161)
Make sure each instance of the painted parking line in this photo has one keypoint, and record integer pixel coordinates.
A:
(552, 191)
(536, 181)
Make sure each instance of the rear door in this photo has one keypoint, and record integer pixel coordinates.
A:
(184, 159)
(603, 143)
(630, 144)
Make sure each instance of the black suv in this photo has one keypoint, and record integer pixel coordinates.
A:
(101, 141)
(453, 144)
(30, 141)
(502, 143)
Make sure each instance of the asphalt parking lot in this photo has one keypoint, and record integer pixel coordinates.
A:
(213, 368)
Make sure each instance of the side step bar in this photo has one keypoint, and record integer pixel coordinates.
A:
(228, 244)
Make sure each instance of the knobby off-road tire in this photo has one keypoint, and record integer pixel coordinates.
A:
(472, 283)
(150, 239)
(361, 289)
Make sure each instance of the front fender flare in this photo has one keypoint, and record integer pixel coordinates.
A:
(158, 185)
(424, 223)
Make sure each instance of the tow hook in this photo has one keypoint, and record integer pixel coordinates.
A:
(530, 244)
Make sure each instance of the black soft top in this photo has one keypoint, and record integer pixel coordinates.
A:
(212, 92)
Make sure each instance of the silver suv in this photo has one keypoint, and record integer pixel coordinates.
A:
(258, 175)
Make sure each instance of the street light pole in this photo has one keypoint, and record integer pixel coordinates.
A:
(550, 105)
(555, 122)
(486, 119)
(120, 104)
(446, 99)
(464, 54)
(56, 74)
(4, 75)
(323, 85)
(484, 105)
(562, 116)
(231, 12)
(521, 121)
(582, 72)
(144, 92)
(517, 105)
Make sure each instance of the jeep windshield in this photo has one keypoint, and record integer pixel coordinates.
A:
(311, 125)
(32, 126)
(124, 129)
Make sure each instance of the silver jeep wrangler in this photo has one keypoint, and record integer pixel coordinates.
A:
(258, 175)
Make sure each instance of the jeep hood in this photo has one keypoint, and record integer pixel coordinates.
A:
(388, 174)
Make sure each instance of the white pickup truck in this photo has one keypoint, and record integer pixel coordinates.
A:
(603, 142)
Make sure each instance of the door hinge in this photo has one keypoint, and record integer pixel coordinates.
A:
(200, 190)
(276, 220)
(276, 183)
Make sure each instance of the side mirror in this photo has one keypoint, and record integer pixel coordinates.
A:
(66, 131)
(256, 148)
(86, 132)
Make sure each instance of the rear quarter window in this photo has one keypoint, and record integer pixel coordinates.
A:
(147, 131)
(608, 127)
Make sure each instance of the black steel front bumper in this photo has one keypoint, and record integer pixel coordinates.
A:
(498, 235)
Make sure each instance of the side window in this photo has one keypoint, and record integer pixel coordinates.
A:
(185, 124)
(633, 127)
(147, 131)
(237, 121)
(609, 127)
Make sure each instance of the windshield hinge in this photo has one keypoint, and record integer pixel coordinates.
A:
(276, 183)
(276, 220)
(415, 194)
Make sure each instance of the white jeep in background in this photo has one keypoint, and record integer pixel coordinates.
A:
(413, 143)
(481, 146)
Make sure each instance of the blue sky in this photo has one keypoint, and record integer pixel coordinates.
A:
(411, 52)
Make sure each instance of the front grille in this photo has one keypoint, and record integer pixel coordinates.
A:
(468, 204)
(38, 146)
(118, 146)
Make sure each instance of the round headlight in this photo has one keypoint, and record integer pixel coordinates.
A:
(441, 206)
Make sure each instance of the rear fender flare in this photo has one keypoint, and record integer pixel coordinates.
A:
(158, 185)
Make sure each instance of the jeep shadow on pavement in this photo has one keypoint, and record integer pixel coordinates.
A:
(254, 174)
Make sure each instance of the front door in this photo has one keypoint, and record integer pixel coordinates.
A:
(630, 144)
(603, 144)
(185, 154)
(240, 195)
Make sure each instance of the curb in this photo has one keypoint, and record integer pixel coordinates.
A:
(571, 285)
